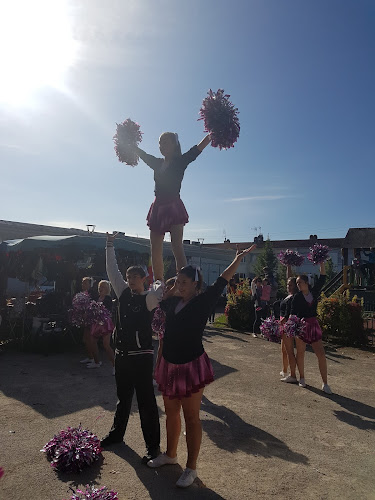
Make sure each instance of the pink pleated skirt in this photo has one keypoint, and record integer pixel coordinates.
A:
(313, 332)
(164, 214)
(181, 381)
(97, 330)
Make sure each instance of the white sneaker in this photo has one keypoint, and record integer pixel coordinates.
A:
(162, 459)
(290, 380)
(283, 374)
(94, 365)
(326, 388)
(255, 335)
(187, 478)
(302, 382)
(87, 360)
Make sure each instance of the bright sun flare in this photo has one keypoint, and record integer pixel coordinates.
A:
(37, 47)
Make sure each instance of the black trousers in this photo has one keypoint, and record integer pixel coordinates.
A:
(134, 373)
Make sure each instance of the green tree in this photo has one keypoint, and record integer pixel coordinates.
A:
(330, 273)
(266, 259)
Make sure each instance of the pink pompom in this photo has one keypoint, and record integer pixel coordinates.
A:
(220, 119)
(294, 327)
(127, 138)
(290, 258)
(72, 449)
(318, 253)
(94, 493)
(270, 328)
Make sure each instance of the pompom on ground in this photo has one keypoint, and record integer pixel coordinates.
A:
(220, 119)
(93, 493)
(127, 138)
(72, 449)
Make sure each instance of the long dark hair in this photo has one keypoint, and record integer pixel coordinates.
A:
(191, 272)
(174, 137)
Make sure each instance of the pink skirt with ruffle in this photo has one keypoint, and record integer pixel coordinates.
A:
(98, 330)
(313, 332)
(181, 381)
(165, 214)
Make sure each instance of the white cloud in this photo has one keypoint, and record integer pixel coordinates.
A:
(266, 197)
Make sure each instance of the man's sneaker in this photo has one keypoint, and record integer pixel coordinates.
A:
(290, 380)
(162, 459)
(283, 374)
(187, 478)
(94, 365)
(110, 439)
(302, 382)
(150, 455)
(87, 360)
(326, 388)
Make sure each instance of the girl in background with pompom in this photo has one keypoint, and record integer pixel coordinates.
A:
(287, 343)
(304, 305)
(103, 331)
(167, 213)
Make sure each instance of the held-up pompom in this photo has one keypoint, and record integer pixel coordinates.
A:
(220, 119)
(127, 138)
(72, 449)
(294, 327)
(93, 493)
(318, 253)
(290, 258)
(270, 328)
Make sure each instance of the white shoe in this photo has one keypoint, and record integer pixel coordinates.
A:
(326, 388)
(255, 335)
(162, 459)
(302, 382)
(187, 478)
(94, 365)
(87, 360)
(283, 374)
(290, 380)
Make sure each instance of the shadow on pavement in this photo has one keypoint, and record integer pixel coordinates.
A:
(221, 370)
(355, 407)
(231, 433)
(211, 331)
(161, 483)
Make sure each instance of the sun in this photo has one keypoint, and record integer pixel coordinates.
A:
(37, 48)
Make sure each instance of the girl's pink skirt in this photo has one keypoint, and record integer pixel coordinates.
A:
(98, 330)
(181, 381)
(313, 332)
(165, 214)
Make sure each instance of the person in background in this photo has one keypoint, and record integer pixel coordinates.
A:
(256, 293)
(86, 288)
(104, 290)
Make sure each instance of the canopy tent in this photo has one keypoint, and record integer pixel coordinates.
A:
(83, 242)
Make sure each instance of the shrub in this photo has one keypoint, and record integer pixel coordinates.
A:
(239, 309)
(341, 320)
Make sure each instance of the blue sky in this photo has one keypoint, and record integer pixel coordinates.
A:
(302, 74)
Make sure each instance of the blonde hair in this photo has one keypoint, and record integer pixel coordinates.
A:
(107, 283)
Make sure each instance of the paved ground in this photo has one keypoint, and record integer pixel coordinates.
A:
(261, 439)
